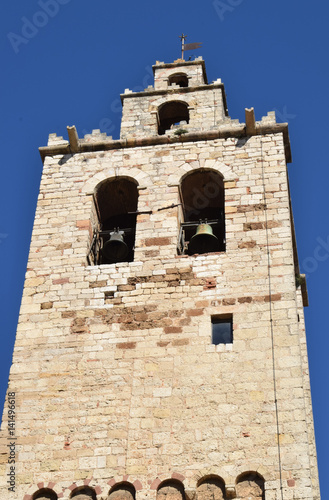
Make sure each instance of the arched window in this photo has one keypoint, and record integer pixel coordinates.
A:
(83, 493)
(202, 228)
(122, 491)
(170, 490)
(171, 113)
(211, 488)
(250, 486)
(179, 78)
(114, 221)
(45, 494)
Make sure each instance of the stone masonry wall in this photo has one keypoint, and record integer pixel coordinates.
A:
(139, 116)
(114, 372)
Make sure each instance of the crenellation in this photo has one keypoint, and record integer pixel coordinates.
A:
(53, 139)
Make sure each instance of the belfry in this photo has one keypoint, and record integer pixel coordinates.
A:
(161, 351)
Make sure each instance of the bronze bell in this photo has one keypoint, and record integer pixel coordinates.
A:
(203, 241)
(115, 249)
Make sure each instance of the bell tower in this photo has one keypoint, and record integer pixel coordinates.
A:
(181, 95)
(160, 350)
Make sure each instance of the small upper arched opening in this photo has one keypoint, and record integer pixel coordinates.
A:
(122, 491)
(45, 494)
(113, 220)
(250, 486)
(171, 489)
(172, 113)
(211, 488)
(83, 493)
(202, 228)
(179, 79)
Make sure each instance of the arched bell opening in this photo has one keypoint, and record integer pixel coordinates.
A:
(211, 488)
(114, 221)
(83, 493)
(250, 486)
(171, 489)
(172, 113)
(179, 79)
(202, 225)
(45, 494)
(122, 491)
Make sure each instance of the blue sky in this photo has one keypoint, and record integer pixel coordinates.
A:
(65, 62)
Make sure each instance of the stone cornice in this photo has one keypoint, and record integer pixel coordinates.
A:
(225, 131)
(172, 90)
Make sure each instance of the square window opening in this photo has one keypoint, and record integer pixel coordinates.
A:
(222, 330)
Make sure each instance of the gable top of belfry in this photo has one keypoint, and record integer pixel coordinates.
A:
(181, 63)
(195, 73)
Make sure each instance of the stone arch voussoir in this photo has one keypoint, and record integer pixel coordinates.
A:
(141, 178)
(117, 480)
(89, 482)
(263, 472)
(34, 488)
(162, 478)
(186, 168)
(169, 98)
(210, 472)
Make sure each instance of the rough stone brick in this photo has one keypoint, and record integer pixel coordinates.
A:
(194, 312)
(228, 302)
(252, 226)
(173, 329)
(61, 281)
(274, 297)
(79, 325)
(248, 208)
(98, 284)
(162, 343)
(243, 300)
(68, 314)
(247, 244)
(126, 345)
(46, 305)
(159, 241)
(209, 284)
(180, 342)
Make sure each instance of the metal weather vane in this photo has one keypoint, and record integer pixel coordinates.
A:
(188, 46)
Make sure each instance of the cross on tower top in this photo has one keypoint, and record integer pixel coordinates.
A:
(183, 38)
(188, 46)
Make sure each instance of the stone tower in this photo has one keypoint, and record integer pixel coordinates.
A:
(161, 350)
